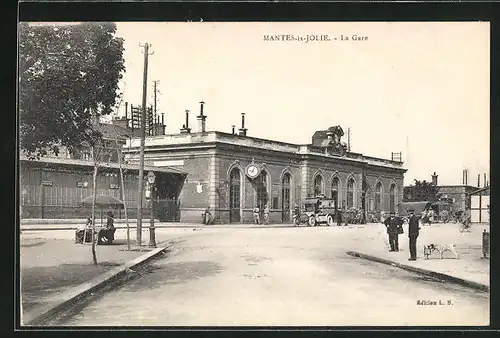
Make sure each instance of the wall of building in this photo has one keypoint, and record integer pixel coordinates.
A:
(459, 193)
(198, 190)
(62, 190)
(55, 190)
(209, 159)
(274, 166)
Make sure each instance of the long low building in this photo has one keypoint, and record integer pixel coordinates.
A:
(52, 187)
(232, 173)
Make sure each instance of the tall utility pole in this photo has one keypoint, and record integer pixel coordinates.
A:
(155, 82)
(140, 188)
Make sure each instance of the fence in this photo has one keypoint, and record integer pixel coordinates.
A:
(165, 211)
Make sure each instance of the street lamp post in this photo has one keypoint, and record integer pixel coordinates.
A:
(151, 181)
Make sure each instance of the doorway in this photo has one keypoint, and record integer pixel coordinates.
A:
(234, 196)
(285, 198)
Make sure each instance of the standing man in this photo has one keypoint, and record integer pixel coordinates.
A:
(256, 214)
(394, 227)
(338, 214)
(266, 214)
(413, 228)
(296, 215)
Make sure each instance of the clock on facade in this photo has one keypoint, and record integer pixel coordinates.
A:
(253, 171)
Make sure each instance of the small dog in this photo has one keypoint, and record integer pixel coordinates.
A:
(440, 248)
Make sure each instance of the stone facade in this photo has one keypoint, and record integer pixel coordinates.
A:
(216, 165)
(459, 193)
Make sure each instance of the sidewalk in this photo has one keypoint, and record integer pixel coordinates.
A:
(70, 225)
(50, 267)
(470, 266)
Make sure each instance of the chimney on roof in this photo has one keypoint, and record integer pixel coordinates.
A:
(201, 119)
(185, 127)
(243, 130)
(478, 180)
(435, 179)
(233, 126)
(485, 182)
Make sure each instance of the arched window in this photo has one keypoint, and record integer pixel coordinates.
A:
(234, 195)
(285, 197)
(392, 198)
(378, 196)
(262, 198)
(335, 190)
(350, 193)
(318, 185)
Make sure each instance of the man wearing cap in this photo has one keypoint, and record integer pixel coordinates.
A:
(394, 226)
(413, 228)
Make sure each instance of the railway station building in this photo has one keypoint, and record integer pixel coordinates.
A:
(234, 172)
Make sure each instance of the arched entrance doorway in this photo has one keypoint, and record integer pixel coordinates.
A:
(378, 197)
(261, 189)
(364, 195)
(318, 185)
(234, 196)
(285, 198)
(350, 193)
(335, 191)
(392, 198)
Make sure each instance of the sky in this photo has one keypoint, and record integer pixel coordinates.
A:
(417, 88)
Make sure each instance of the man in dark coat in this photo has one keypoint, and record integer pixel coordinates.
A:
(338, 214)
(413, 228)
(394, 226)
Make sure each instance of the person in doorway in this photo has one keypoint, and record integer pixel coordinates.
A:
(413, 229)
(394, 227)
(266, 214)
(256, 214)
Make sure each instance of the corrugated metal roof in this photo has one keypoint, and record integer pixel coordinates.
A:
(111, 165)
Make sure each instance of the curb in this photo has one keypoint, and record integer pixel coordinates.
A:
(189, 226)
(429, 273)
(42, 315)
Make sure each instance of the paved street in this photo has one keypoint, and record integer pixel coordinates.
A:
(282, 276)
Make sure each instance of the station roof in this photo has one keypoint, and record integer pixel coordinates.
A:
(89, 164)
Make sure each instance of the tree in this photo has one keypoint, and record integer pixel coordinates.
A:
(65, 73)
(421, 191)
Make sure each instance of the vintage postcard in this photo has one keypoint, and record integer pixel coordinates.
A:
(254, 173)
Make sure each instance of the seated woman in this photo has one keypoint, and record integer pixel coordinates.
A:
(107, 234)
(84, 231)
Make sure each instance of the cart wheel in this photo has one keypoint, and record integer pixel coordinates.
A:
(330, 221)
(312, 221)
